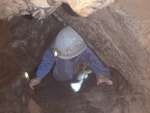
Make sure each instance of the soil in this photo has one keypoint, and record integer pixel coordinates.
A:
(53, 96)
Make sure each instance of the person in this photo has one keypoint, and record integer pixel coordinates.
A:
(70, 59)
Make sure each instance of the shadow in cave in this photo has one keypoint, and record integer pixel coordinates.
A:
(54, 96)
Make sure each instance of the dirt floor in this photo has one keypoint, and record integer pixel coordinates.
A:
(53, 96)
(58, 97)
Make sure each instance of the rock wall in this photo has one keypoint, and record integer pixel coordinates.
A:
(40, 9)
(22, 42)
(120, 36)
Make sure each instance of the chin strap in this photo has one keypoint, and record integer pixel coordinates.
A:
(42, 11)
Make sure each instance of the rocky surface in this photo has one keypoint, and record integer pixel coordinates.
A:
(120, 36)
(40, 9)
(22, 41)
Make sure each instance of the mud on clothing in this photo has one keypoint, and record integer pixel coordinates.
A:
(64, 70)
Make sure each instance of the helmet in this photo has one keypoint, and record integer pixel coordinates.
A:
(69, 44)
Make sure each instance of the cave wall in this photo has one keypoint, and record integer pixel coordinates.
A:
(120, 36)
(22, 42)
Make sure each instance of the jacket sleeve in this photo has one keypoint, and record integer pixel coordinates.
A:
(46, 64)
(97, 66)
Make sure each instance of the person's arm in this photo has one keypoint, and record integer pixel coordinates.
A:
(98, 67)
(46, 64)
(44, 67)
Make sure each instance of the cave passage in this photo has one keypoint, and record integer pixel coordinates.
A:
(117, 30)
(24, 40)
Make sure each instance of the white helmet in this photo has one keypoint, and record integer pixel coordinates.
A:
(68, 44)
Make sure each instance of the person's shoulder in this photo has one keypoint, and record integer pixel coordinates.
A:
(86, 52)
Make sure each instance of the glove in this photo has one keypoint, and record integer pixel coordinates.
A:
(34, 82)
(102, 79)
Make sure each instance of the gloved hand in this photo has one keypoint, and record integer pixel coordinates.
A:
(34, 82)
(104, 79)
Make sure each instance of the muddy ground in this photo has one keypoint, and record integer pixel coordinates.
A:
(53, 96)
(25, 39)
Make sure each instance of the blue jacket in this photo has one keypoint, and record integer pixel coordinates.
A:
(65, 69)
